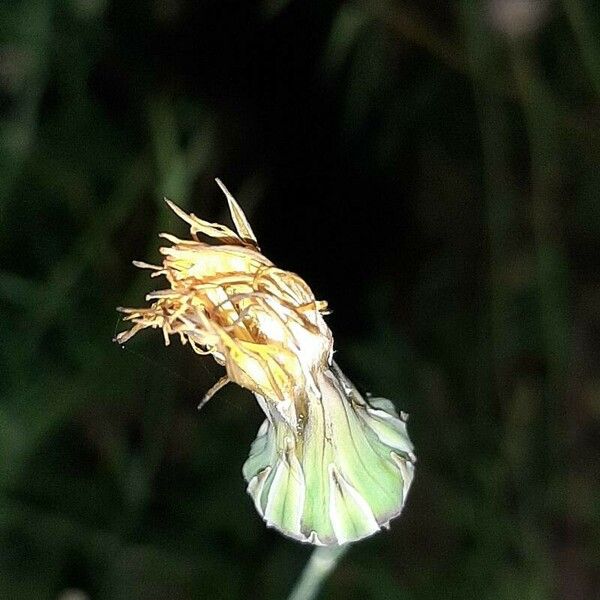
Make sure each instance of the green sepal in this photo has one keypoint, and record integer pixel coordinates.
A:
(341, 475)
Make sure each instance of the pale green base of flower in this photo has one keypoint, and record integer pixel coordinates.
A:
(341, 476)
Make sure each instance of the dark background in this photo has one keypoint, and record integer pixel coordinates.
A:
(432, 169)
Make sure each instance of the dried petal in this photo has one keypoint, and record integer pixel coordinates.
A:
(327, 467)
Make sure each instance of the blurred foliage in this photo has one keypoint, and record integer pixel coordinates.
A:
(431, 168)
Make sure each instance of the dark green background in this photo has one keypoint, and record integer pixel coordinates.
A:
(430, 168)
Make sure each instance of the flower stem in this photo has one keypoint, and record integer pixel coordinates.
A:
(321, 563)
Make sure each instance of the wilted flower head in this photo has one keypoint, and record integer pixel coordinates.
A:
(262, 323)
(327, 467)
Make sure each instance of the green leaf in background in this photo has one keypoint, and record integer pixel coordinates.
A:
(434, 166)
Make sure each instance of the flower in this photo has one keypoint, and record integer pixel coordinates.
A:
(327, 467)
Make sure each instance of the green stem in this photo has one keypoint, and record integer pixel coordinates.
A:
(587, 39)
(544, 134)
(321, 563)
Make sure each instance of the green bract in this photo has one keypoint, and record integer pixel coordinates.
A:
(341, 474)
